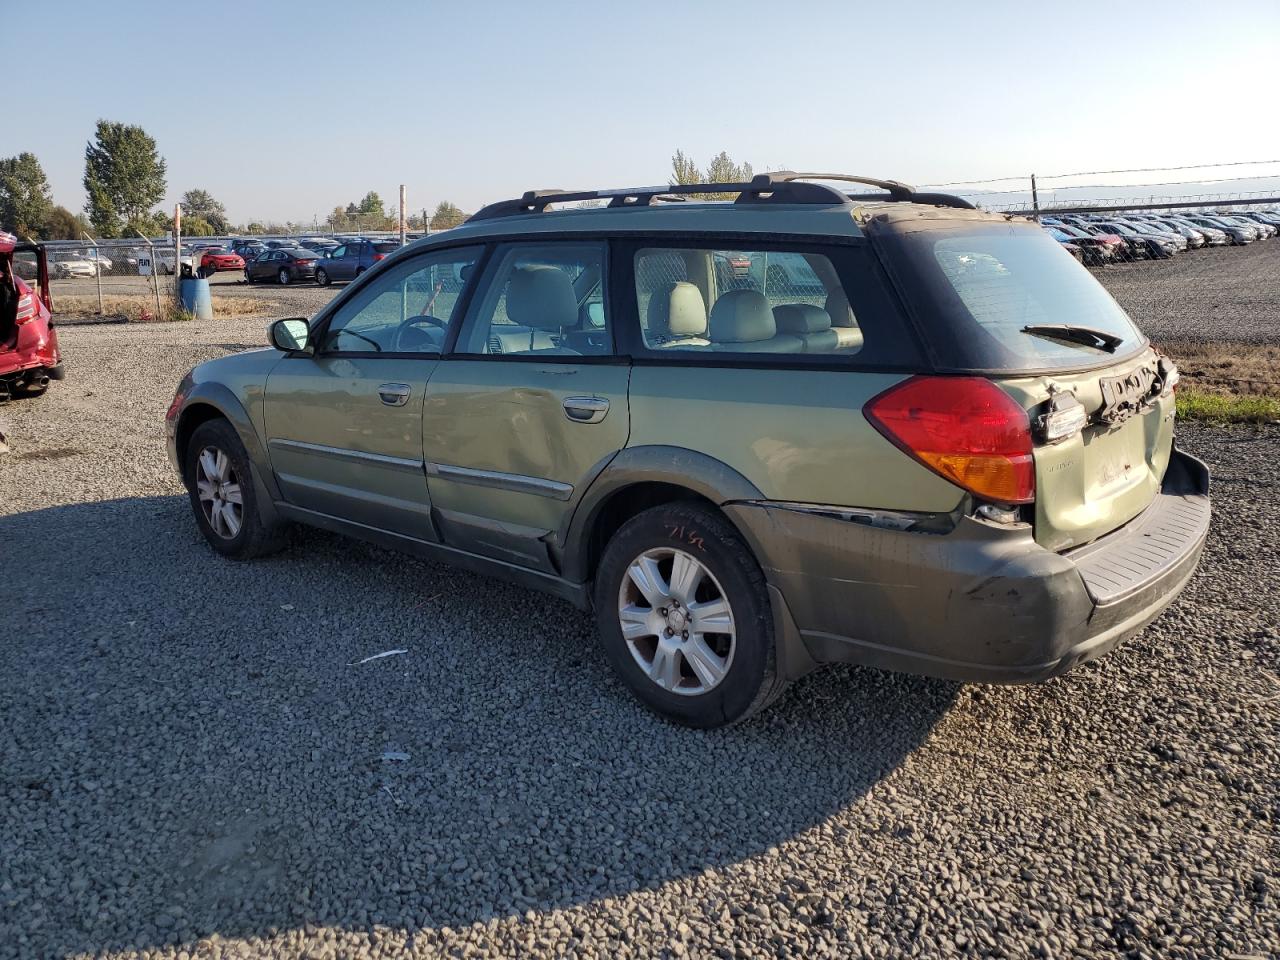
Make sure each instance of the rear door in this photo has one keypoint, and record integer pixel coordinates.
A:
(344, 426)
(531, 404)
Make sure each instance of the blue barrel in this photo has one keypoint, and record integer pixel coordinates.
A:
(195, 298)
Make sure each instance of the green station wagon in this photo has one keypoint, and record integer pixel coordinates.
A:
(753, 436)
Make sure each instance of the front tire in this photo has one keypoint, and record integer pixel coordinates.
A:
(322, 277)
(684, 616)
(220, 487)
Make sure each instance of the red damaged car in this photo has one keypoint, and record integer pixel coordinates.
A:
(216, 259)
(29, 356)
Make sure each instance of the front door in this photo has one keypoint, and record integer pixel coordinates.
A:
(344, 427)
(530, 405)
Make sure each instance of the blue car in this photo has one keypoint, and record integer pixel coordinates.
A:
(352, 258)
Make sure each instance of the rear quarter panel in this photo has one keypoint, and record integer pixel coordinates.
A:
(797, 435)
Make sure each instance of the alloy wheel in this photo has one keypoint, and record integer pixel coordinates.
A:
(218, 488)
(283, 277)
(677, 621)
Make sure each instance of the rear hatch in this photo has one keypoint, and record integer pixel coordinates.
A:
(997, 297)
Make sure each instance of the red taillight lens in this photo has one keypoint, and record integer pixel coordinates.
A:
(26, 308)
(303, 263)
(965, 429)
(379, 256)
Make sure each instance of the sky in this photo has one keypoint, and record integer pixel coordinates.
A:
(283, 110)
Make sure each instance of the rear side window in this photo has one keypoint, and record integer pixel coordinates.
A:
(802, 303)
(977, 287)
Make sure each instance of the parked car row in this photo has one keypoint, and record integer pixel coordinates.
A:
(312, 259)
(1097, 239)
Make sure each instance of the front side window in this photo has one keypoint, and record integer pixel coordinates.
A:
(407, 309)
(744, 301)
(542, 299)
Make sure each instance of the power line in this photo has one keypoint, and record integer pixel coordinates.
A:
(1099, 173)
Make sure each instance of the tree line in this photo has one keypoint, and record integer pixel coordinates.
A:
(125, 179)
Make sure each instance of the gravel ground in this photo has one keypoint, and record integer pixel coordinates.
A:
(192, 766)
(1218, 294)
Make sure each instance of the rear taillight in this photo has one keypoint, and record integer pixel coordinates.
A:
(26, 308)
(303, 263)
(379, 256)
(965, 429)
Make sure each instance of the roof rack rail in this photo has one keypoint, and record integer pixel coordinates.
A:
(782, 186)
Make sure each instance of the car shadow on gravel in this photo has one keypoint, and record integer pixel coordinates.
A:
(197, 751)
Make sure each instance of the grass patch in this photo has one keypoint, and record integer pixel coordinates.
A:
(142, 307)
(1197, 404)
(1227, 369)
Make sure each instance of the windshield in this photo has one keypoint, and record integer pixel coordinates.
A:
(976, 286)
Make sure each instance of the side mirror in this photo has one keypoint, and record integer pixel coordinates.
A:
(291, 335)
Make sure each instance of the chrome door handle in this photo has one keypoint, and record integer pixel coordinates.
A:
(394, 394)
(585, 409)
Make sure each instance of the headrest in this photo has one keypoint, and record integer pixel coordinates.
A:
(542, 297)
(839, 310)
(801, 318)
(678, 311)
(742, 316)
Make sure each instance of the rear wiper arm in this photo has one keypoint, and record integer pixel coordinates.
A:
(1088, 336)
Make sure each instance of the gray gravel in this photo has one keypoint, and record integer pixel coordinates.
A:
(191, 766)
(1213, 295)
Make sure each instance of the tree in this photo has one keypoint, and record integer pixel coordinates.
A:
(124, 176)
(197, 226)
(65, 225)
(447, 215)
(721, 169)
(25, 200)
(200, 203)
(372, 205)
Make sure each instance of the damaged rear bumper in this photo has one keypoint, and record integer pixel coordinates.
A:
(981, 602)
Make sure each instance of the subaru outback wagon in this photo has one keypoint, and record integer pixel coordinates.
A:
(753, 436)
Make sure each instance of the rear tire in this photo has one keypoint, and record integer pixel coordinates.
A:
(219, 480)
(729, 670)
(283, 278)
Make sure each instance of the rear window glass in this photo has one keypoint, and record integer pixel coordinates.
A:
(977, 287)
(385, 247)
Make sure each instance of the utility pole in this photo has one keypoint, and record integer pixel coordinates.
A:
(1035, 198)
(402, 218)
(97, 268)
(177, 253)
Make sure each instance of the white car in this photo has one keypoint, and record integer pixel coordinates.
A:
(74, 266)
(166, 260)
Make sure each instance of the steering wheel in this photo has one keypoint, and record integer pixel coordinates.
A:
(421, 320)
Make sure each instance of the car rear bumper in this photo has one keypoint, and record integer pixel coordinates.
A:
(982, 602)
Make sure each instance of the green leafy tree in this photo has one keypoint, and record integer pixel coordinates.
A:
(65, 225)
(200, 203)
(447, 215)
(25, 199)
(198, 226)
(124, 176)
(721, 169)
(372, 206)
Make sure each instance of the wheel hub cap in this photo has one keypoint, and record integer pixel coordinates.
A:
(218, 490)
(676, 621)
